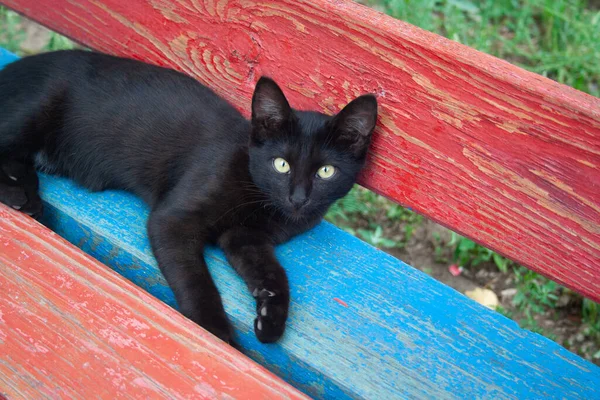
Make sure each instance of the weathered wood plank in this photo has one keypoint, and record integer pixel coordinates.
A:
(504, 156)
(72, 328)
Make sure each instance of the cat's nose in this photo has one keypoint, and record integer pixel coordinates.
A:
(298, 198)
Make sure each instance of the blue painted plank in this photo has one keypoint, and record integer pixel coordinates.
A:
(402, 334)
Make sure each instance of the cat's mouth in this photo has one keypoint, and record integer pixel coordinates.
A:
(296, 213)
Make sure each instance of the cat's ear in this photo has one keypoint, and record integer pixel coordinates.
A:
(270, 108)
(354, 125)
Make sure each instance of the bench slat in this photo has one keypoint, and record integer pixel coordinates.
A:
(72, 328)
(499, 154)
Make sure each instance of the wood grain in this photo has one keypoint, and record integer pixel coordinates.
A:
(72, 328)
(501, 155)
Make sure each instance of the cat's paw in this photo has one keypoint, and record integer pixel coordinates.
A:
(33, 208)
(13, 196)
(227, 336)
(272, 310)
(16, 197)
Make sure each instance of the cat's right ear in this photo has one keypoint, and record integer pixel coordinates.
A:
(354, 125)
(270, 109)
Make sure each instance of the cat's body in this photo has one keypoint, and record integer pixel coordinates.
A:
(208, 174)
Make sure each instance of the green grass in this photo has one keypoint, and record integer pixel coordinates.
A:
(361, 205)
(59, 42)
(12, 35)
(469, 253)
(559, 39)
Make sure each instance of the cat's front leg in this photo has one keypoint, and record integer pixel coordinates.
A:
(177, 241)
(252, 255)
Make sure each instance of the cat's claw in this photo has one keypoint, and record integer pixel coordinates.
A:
(262, 293)
(269, 324)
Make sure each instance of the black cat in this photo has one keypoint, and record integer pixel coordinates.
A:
(208, 174)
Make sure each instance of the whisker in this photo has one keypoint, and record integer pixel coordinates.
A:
(238, 206)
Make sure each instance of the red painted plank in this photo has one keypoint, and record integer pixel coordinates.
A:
(72, 328)
(499, 154)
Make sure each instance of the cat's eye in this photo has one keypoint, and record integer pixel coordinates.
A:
(281, 166)
(326, 171)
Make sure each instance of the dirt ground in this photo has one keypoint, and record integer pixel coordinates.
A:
(36, 37)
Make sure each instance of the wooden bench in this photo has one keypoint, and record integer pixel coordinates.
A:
(500, 155)
(72, 328)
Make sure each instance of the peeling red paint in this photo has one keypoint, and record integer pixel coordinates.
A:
(342, 302)
(118, 340)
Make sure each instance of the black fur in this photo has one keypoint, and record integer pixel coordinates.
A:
(207, 173)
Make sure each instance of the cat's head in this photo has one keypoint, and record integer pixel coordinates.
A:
(304, 161)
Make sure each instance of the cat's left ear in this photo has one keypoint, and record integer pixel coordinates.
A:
(354, 125)
(270, 109)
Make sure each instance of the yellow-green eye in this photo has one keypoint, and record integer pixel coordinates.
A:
(326, 171)
(281, 166)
